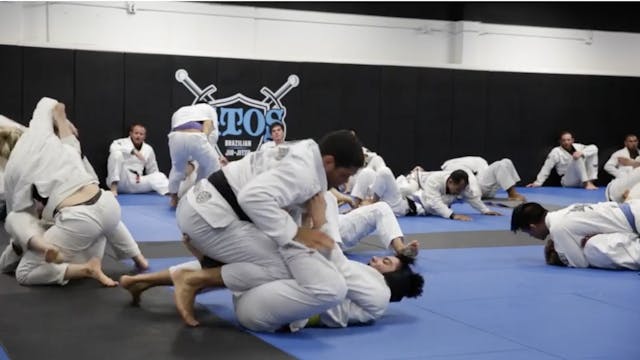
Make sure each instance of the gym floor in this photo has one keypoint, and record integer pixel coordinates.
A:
(488, 295)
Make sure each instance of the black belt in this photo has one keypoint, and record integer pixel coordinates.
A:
(413, 210)
(94, 199)
(220, 182)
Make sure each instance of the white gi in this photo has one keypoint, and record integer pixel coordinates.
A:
(271, 305)
(268, 145)
(616, 188)
(128, 170)
(616, 170)
(382, 183)
(573, 172)
(375, 218)
(44, 163)
(569, 226)
(434, 198)
(500, 174)
(613, 251)
(271, 187)
(191, 145)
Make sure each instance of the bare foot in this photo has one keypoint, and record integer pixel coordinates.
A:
(517, 197)
(185, 296)
(94, 270)
(53, 255)
(174, 200)
(141, 262)
(589, 186)
(135, 288)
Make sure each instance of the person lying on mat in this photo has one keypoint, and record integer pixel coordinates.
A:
(614, 251)
(270, 306)
(366, 220)
(619, 188)
(45, 177)
(571, 228)
(500, 174)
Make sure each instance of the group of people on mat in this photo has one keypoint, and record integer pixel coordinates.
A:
(269, 226)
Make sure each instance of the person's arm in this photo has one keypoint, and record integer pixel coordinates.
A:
(264, 198)
(611, 166)
(432, 198)
(545, 171)
(567, 245)
(151, 165)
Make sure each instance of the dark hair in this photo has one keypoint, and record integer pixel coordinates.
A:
(345, 148)
(629, 135)
(564, 132)
(136, 124)
(276, 124)
(459, 175)
(525, 214)
(404, 282)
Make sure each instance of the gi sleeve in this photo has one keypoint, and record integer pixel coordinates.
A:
(611, 166)
(265, 197)
(151, 165)
(432, 198)
(549, 163)
(567, 244)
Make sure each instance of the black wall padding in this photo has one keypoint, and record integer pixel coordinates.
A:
(47, 72)
(11, 89)
(99, 104)
(408, 115)
(147, 100)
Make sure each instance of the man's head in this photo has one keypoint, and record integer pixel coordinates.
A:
(566, 140)
(631, 142)
(457, 182)
(342, 156)
(402, 281)
(529, 217)
(277, 133)
(137, 133)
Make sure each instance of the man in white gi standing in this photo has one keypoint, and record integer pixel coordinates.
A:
(132, 166)
(277, 136)
(577, 164)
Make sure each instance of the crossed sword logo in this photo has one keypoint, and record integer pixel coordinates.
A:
(271, 99)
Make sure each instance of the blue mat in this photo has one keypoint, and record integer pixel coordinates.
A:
(149, 217)
(483, 303)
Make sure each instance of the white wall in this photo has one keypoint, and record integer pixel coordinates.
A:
(219, 30)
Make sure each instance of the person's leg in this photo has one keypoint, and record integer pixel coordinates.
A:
(361, 190)
(575, 174)
(114, 167)
(205, 155)
(385, 188)
(500, 174)
(137, 284)
(591, 164)
(364, 221)
(179, 158)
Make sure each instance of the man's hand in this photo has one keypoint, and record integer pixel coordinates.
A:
(532, 185)
(492, 213)
(223, 161)
(461, 217)
(314, 239)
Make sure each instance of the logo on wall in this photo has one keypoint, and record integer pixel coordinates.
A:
(243, 121)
